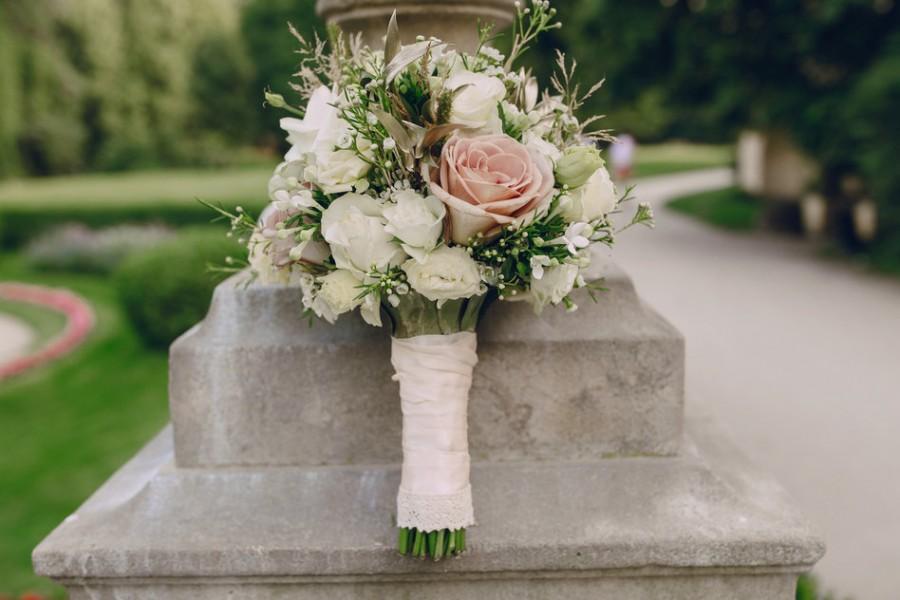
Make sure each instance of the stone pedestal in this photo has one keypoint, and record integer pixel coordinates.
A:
(279, 477)
(281, 483)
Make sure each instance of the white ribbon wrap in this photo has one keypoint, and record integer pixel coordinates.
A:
(435, 374)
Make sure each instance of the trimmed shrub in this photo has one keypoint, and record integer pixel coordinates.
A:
(167, 289)
(74, 247)
(21, 223)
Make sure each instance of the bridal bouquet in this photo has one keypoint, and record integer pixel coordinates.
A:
(421, 182)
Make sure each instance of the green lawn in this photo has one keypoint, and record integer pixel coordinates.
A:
(674, 157)
(174, 186)
(67, 426)
(729, 208)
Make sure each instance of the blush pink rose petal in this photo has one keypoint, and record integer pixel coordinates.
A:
(489, 181)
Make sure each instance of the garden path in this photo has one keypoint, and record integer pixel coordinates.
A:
(799, 357)
(15, 338)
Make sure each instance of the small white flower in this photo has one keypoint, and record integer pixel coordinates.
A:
(538, 263)
(389, 144)
(576, 237)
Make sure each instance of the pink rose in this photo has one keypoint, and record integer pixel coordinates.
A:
(489, 181)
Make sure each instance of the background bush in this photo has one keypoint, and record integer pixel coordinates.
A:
(167, 289)
(76, 248)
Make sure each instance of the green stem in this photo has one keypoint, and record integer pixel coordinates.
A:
(403, 540)
(438, 553)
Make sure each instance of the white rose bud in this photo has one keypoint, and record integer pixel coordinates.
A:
(337, 295)
(553, 286)
(446, 274)
(417, 221)
(339, 171)
(354, 228)
(476, 105)
(576, 165)
(595, 199)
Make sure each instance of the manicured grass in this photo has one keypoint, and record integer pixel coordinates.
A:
(138, 188)
(45, 323)
(675, 157)
(729, 208)
(67, 426)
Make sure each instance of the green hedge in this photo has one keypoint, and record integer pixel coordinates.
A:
(19, 224)
(166, 290)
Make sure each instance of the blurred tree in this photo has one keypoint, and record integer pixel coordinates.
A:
(264, 25)
(107, 84)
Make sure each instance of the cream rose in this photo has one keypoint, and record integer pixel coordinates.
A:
(489, 181)
(445, 274)
(337, 294)
(417, 221)
(353, 225)
(476, 105)
(593, 200)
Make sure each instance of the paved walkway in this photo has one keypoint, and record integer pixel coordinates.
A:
(799, 357)
(15, 338)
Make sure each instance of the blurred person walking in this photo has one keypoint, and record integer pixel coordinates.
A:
(621, 154)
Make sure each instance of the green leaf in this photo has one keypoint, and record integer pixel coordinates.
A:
(392, 39)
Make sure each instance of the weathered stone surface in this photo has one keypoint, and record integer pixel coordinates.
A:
(254, 384)
(701, 525)
(453, 21)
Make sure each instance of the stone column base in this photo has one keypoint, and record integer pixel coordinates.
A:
(701, 525)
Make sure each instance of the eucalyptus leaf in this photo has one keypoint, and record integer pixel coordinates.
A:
(435, 134)
(394, 128)
(407, 56)
(392, 39)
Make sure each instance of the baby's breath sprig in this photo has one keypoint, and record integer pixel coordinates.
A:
(529, 23)
(242, 224)
(388, 284)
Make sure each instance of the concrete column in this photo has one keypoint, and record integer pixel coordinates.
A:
(454, 21)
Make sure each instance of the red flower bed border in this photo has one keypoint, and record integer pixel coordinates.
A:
(79, 322)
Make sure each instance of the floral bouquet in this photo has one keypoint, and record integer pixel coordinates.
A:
(421, 182)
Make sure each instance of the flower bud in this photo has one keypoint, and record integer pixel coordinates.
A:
(577, 164)
(275, 100)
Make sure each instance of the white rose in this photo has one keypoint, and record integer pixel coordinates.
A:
(354, 227)
(554, 285)
(319, 130)
(337, 294)
(338, 171)
(417, 221)
(593, 200)
(476, 105)
(446, 274)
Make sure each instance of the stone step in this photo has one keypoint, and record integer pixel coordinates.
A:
(255, 384)
(701, 525)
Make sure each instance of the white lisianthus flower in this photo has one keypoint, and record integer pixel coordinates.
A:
(337, 294)
(554, 285)
(445, 274)
(353, 226)
(320, 128)
(591, 201)
(534, 141)
(417, 221)
(476, 105)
